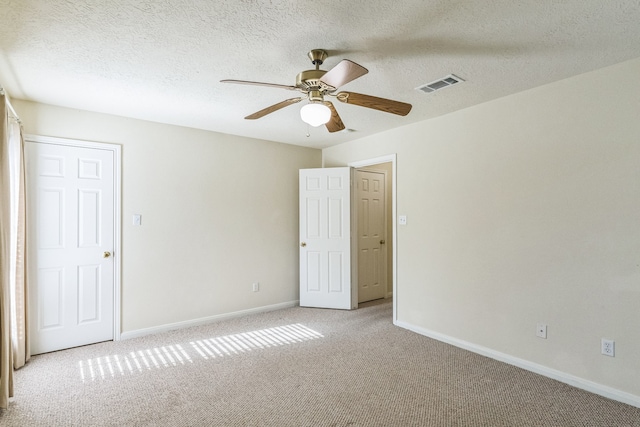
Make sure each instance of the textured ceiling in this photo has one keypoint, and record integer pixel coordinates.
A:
(162, 60)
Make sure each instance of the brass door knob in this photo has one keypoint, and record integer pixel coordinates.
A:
(382, 242)
(106, 254)
(303, 244)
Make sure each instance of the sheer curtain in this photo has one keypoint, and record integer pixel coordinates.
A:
(14, 345)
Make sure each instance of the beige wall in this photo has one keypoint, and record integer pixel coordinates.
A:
(525, 210)
(219, 212)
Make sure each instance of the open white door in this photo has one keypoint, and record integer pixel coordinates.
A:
(325, 239)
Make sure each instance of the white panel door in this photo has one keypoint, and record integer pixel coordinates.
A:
(372, 260)
(325, 238)
(71, 239)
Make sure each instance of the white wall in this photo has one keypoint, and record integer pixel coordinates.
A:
(525, 210)
(218, 213)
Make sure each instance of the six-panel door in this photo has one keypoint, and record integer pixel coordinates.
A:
(71, 239)
(370, 190)
(325, 238)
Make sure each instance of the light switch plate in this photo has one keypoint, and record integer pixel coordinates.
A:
(137, 219)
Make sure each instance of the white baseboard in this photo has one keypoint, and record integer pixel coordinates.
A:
(205, 320)
(590, 386)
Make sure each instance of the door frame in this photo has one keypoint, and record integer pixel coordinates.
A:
(117, 213)
(390, 158)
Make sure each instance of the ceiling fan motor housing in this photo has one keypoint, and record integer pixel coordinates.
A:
(310, 80)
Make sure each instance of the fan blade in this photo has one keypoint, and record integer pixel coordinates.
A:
(244, 82)
(335, 122)
(382, 104)
(271, 109)
(343, 73)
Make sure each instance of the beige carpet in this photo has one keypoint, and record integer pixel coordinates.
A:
(295, 367)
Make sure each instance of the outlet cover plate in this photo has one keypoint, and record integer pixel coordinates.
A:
(608, 347)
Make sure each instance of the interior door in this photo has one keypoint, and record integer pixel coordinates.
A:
(325, 239)
(71, 239)
(372, 260)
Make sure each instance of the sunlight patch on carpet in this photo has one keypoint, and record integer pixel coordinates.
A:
(108, 367)
(248, 341)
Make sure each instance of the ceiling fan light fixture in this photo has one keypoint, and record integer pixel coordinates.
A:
(315, 114)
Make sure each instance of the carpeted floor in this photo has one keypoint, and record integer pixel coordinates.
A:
(295, 367)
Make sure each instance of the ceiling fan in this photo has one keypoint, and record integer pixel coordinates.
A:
(318, 84)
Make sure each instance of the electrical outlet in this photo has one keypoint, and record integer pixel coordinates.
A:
(541, 330)
(255, 287)
(608, 347)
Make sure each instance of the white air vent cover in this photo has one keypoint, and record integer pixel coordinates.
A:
(447, 81)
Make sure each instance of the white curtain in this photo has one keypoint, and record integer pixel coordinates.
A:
(14, 344)
(17, 267)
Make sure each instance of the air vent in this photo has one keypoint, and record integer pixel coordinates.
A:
(447, 81)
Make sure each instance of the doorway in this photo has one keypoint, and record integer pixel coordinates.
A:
(389, 163)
